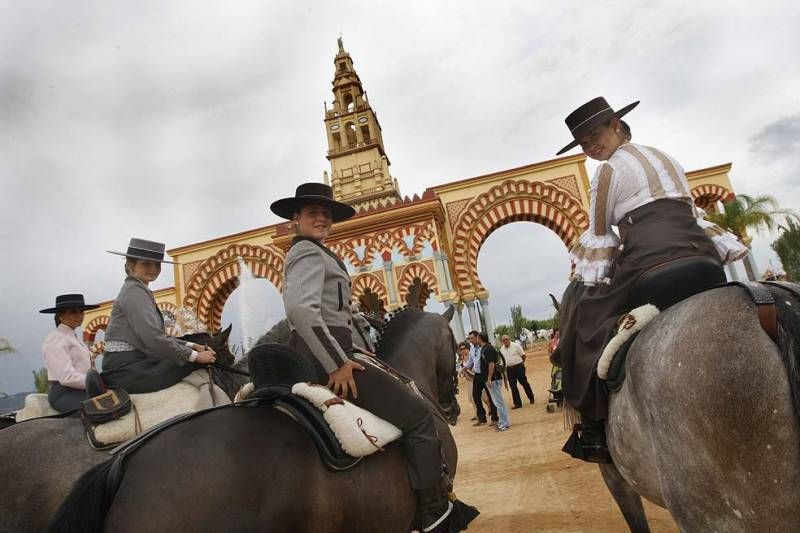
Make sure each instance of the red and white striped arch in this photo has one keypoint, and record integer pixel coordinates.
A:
(372, 282)
(217, 277)
(511, 201)
(97, 323)
(706, 196)
(422, 270)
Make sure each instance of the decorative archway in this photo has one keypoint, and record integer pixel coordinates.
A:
(218, 277)
(511, 201)
(706, 196)
(410, 273)
(367, 285)
(98, 323)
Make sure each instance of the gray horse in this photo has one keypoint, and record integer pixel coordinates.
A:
(705, 423)
(40, 459)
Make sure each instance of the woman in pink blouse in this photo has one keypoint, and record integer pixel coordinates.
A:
(66, 358)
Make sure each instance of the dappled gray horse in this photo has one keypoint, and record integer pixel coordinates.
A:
(40, 460)
(706, 423)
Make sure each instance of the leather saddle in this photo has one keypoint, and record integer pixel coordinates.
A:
(666, 284)
(274, 368)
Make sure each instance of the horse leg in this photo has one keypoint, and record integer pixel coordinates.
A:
(629, 502)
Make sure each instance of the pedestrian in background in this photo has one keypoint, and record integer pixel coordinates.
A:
(494, 379)
(515, 365)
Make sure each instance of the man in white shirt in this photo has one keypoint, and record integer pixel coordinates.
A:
(515, 365)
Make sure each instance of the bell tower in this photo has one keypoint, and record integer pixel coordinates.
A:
(359, 165)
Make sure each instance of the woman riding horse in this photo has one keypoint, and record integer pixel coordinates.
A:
(66, 358)
(645, 193)
(140, 356)
(316, 295)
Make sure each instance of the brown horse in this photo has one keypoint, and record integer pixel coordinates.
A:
(266, 474)
(705, 423)
(45, 456)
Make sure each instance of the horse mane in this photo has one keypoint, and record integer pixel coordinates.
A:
(788, 310)
(394, 326)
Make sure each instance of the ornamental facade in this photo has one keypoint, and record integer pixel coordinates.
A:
(397, 248)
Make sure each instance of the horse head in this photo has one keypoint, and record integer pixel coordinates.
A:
(421, 346)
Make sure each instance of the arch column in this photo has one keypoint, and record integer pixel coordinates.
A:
(474, 321)
(390, 283)
(487, 318)
(457, 321)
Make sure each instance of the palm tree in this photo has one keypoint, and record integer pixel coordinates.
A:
(40, 381)
(5, 346)
(749, 213)
(787, 246)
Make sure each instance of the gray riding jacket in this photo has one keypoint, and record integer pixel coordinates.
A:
(316, 295)
(136, 319)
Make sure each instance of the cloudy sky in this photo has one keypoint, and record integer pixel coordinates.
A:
(181, 121)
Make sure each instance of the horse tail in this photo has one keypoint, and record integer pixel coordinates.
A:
(85, 508)
(788, 311)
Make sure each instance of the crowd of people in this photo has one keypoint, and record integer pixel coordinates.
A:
(491, 369)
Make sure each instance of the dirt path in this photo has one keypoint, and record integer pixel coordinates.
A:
(522, 482)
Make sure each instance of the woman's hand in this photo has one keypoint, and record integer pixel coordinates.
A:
(202, 348)
(341, 380)
(206, 357)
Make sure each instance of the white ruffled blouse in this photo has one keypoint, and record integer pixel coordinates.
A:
(633, 176)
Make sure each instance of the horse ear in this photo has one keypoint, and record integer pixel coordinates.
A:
(225, 333)
(555, 303)
(448, 314)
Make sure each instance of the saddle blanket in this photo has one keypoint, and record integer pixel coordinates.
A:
(189, 395)
(629, 325)
(360, 432)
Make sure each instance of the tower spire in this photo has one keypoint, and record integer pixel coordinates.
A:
(359, 164)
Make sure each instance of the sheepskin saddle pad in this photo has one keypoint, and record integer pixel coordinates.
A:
(359, 432)
(611, 365)
(187, 396)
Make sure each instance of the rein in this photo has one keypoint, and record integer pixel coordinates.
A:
(230, 369)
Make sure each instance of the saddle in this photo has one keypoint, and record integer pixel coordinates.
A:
(280, 376)
(657, 289)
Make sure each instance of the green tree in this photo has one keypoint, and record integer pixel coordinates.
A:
(40, 381)
(749, 213)
(787, 246)
(517, 321)
(502, 329)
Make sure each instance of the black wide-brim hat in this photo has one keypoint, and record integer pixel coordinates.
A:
(587, 117)
(312, 194)
(69, 301)
(144, 249)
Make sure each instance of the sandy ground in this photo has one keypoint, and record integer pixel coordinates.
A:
(520, 479)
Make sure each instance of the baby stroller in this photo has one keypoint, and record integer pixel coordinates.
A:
(556, 399)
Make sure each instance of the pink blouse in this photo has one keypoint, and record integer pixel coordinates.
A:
(66, 358)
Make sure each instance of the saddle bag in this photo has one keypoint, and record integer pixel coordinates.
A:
(108, 406)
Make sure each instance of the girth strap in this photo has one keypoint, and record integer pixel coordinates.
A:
(765, 305)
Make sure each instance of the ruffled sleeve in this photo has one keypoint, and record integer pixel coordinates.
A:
(728, 246)
(597, 247)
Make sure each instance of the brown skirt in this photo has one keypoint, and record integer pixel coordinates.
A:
(651, 234)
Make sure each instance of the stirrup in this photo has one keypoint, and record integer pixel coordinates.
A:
(441, 519)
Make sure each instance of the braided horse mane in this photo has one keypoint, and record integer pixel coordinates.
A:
(394, 326)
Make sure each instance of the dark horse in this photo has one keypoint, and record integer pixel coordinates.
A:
(45, 456)
(253, 469)
(706, 422)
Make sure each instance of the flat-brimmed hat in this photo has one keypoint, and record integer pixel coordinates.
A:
(69, 301)
(312, 194)
(587, 117)
(144, 249)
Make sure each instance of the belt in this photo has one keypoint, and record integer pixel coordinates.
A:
(118, 346)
